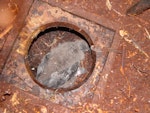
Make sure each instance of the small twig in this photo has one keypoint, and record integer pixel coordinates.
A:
(122, 61)
(32, 56)
(118, 12)
(122, 70)
(49, 45)
(129, 88)
(124, 34)
(140, 71)
(141, 20)
(108, 4)
(148, 34)
(38, 49)
(6, 31)
(60, 35)
(139, 48)
(46, 44)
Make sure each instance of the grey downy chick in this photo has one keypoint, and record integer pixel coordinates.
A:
(62, 63)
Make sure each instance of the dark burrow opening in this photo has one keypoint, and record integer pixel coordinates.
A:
(60, 58)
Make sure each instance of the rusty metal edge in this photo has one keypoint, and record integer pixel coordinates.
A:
(100, 21)
(97, 19)
(87, 15)
(108, 66)
(9, 38)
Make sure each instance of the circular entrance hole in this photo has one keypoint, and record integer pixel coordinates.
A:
(60, 58)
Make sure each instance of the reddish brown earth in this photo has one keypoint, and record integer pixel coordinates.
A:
(127, 88)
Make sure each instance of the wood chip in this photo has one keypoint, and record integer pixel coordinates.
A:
(14, 99)
(108, 4)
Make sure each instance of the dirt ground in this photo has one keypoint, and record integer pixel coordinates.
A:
(127, 89)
